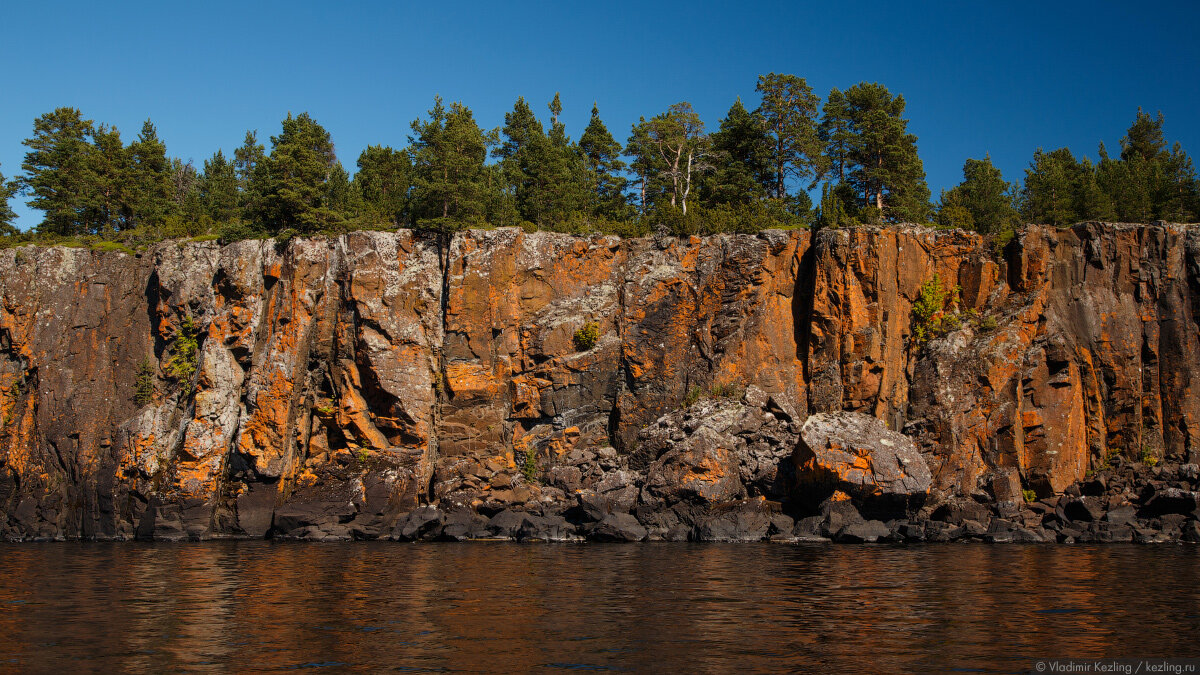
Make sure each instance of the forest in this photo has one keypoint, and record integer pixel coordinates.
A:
(672, 174)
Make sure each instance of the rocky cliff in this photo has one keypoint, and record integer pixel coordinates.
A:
(339, 385)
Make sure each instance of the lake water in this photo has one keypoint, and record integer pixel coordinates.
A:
(483, 607)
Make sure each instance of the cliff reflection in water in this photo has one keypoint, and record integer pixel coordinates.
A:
(481, 607)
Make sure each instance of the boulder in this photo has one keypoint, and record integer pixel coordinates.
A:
(748, 520)
(463, 524)
(718, 449)
(420, 524)
(856, 454)
(618, 527)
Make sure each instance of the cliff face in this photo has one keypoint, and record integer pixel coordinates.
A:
(341, 383)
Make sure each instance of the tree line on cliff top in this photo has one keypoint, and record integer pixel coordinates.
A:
(754, 171)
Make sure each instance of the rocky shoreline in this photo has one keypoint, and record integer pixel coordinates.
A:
(1125, 502)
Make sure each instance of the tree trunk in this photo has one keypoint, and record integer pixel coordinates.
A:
(879, 192)
(688, 186)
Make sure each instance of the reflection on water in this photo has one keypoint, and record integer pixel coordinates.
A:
(237, 606)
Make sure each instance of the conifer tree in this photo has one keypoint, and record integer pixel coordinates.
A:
(56, 169)
(291, 181)
(602, 154)
(1149, 182)
(832, 212)
(450, 184)
(836, 135)
(1048, 195)
(383, 181)
(789, 109)
(341, 197)
(219, 189)
(646, 165)
(149, 181)
(886, 169)
(109, 191)
(742, 157)
(7, 215)
(558, 174)
(246, 161)
(983, 195)
(523, 136)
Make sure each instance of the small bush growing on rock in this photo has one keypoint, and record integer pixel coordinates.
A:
(1147, 456)
(529, 468)
(931, 311)
(143, 391)
(692, 396)
(1029, 495)
(726, 390)
(987, 324)
(185, 347)
(585, 338)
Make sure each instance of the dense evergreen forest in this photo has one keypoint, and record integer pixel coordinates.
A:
(754, 171)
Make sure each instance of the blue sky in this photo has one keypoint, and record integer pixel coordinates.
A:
(998, 78)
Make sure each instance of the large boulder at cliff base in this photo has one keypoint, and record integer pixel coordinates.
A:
(857, 455)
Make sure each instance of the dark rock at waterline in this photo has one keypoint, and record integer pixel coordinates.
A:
(617, 527)
(424, 523)
(748, 520)
(463, 524)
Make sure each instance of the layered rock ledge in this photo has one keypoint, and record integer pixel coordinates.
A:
(381, 385)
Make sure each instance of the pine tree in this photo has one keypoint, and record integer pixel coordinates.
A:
(789, 109)
(291, 181)
(557, 172)
(219, 189)
(149, 180)
(646, 165)
(7, 215)
(450, 184)
(602, 154)
(186, 202)
(742, 155)
(246, 162)
(1149, 182)
(836, 135)
(886, 171)
(57, 169)
(1144, 138)
(677, 138)
(985, 197)
(107, 202)
(383, 181)
(1051, 189)
(523, 147)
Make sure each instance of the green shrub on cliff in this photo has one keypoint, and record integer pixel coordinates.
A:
(143, 391)
(931, 315)
(529, 465)
(185, 353)
(585, 338)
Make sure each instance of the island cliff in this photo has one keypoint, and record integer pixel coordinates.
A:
(388, 384)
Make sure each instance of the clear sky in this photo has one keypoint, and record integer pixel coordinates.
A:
(1002, 77)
